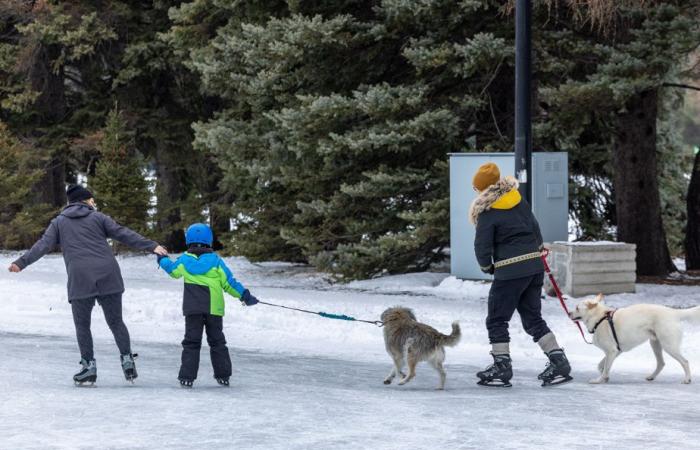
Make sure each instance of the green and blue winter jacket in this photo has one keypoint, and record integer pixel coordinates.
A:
(206, 279)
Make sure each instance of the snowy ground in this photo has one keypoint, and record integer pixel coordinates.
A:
(301, 381)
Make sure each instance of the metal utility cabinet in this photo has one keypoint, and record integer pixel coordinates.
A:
(550, 202)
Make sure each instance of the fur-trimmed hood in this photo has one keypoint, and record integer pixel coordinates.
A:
(490, 195)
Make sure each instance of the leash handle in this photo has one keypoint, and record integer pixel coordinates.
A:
(545, 253)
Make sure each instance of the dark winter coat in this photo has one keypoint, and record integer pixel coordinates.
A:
(82, 234)
(505, 228)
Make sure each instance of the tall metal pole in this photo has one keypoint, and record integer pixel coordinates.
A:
(523, 119)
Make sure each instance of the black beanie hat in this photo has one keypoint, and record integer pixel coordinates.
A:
(77, 193)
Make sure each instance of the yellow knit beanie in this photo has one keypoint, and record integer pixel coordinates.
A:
(487, 175)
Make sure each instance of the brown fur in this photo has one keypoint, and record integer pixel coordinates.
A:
(407, 338)
(488, 196)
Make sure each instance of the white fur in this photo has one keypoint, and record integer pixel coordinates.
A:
(634, 325)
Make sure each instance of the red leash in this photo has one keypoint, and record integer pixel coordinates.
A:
(545, 253)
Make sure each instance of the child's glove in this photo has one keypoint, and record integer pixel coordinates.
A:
(248, 298)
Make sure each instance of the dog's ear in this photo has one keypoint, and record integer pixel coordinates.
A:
(599, 298)
(590, 304)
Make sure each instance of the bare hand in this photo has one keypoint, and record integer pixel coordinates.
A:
(160, 250)
(14, 268)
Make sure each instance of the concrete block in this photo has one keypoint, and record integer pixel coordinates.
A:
(584, 268)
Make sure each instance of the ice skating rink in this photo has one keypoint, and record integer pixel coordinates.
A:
(301, 381)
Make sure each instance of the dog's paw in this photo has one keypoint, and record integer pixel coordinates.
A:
(403, 381)
(599, 380)
(685, 381)
(650, 378)
(440, 388)
(387, 381)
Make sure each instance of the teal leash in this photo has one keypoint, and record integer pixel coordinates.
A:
(378, 323)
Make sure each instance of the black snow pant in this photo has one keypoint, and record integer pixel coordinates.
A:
(82, 317)
(220, 358)
(523, 294)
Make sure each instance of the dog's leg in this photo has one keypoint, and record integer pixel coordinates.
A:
(601, 365)
(670, 340)
(659, 354)
(436, 362)
(389, 378)
(676, 354)
(605, 374)
(396, 370)
(412, 360)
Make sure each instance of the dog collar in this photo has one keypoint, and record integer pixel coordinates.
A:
(609, 317)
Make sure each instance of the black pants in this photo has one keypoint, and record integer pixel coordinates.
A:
(523, 294)
(82, 317)
(220, 358)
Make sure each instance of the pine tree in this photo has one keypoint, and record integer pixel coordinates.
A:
(43, 48)
(337, 124)
(21, 220)
(612, 100)
(120, 185)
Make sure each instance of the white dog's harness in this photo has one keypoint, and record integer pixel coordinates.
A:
(609, 317)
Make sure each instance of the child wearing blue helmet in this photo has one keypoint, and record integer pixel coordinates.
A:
(206, 278)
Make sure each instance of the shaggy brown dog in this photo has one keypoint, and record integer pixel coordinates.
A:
(404, 336)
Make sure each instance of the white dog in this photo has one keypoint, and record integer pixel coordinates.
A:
(616, 331)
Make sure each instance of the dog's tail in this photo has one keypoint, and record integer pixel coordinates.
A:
(690, 314)
(452, 339)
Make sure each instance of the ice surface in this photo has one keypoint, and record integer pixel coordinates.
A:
(301, 381)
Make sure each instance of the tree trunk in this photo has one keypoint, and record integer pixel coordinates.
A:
(51, 106)
(637, 199)
(169, 194)
(692, 233)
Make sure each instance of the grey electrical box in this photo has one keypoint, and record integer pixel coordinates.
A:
(550, 202)
(550, 194)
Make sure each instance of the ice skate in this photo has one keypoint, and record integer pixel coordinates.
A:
(129, 366)
(497, 374)
(88, 375)
(186, 383)
(222, 381)
(557, 370)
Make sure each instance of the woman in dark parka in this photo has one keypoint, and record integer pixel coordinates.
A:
(508, 244)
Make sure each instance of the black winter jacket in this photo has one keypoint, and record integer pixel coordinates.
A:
(505, 228)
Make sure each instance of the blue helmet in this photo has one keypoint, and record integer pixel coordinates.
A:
(199, 233)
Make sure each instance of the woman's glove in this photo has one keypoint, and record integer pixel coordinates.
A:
(248, 298)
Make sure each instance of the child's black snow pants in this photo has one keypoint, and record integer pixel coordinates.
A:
(521, 294)
(191, 345)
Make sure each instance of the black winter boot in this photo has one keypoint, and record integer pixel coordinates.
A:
(557, 370)
(497, 374)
